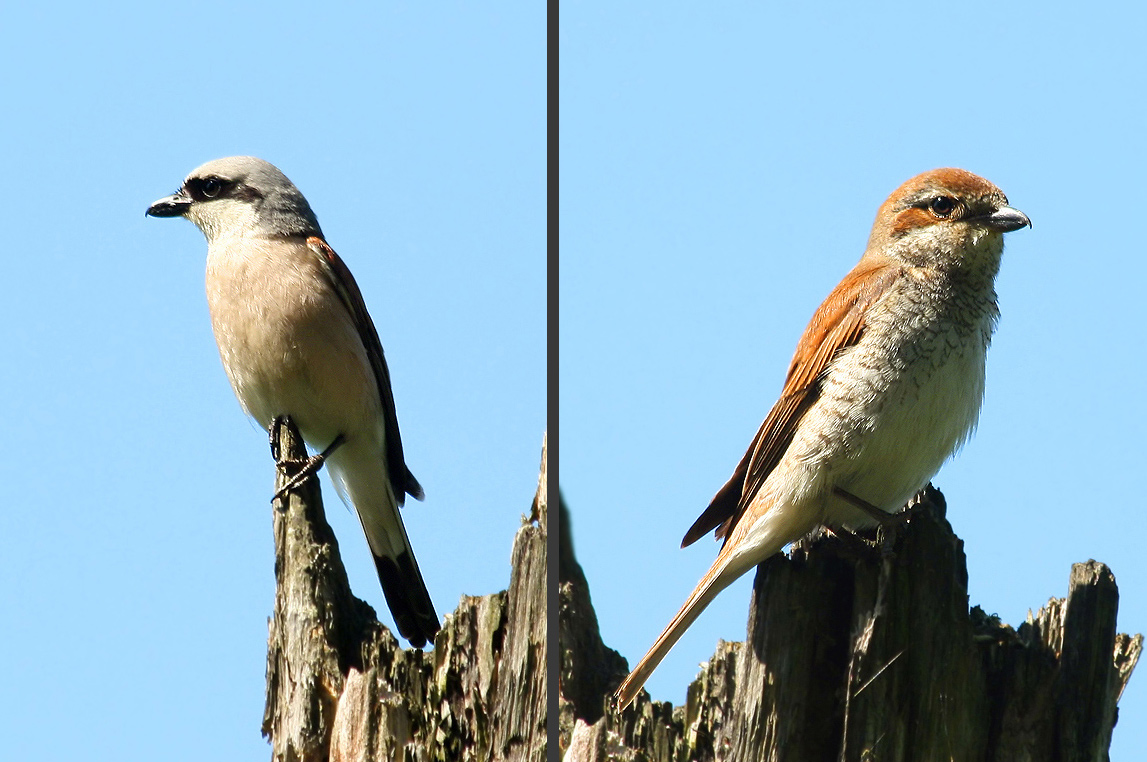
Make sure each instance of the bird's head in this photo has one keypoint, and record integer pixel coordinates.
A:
(237, 195)
(947, 219)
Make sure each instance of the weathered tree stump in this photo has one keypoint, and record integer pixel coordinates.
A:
(866, 656)
(341, 689)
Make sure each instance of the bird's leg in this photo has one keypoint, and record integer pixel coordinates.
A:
(883, 518)
(888, 523)
(308, 467)
(273, 430)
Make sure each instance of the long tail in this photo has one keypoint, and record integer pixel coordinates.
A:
(360, 474)
(725, 569)
(741, 552)
(407, 597)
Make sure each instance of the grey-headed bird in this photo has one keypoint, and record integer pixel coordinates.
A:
(295, 339)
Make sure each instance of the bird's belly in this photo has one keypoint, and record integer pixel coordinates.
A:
(912, 441)
(892, 437)
(284, 356)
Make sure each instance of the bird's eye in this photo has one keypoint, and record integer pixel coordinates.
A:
(942, 206)
(211, 187)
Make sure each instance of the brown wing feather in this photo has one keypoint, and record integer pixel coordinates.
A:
(401, 480)
(837, 324)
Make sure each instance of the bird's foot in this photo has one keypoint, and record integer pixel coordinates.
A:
(889, 525)
(855, 544)
(303, 469)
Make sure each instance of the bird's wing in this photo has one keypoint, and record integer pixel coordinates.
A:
(402, 481)
(837, 324)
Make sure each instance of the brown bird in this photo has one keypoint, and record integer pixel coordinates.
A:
(886, 383)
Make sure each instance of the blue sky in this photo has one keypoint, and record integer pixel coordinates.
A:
(721, 165)
(136, 555)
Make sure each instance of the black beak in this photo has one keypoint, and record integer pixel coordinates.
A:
(1006, 219)
(175, 205)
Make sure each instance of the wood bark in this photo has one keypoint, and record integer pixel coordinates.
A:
(857, 653)
(340, 688)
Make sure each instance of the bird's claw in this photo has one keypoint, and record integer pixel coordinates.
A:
(307, 467)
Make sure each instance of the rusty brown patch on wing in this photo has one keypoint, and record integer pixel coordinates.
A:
(837, 324)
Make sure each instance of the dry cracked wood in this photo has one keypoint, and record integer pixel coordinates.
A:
(340, 687)
(867, 656)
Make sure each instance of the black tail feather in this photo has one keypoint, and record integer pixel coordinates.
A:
(408, 599)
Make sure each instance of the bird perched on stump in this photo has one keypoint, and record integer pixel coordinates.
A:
(295, 339)
(885, 385)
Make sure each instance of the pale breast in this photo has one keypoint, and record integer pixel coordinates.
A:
(286, 341)
(898, 404)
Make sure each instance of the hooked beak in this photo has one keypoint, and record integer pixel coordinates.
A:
(175, 205)
(1006, 219)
